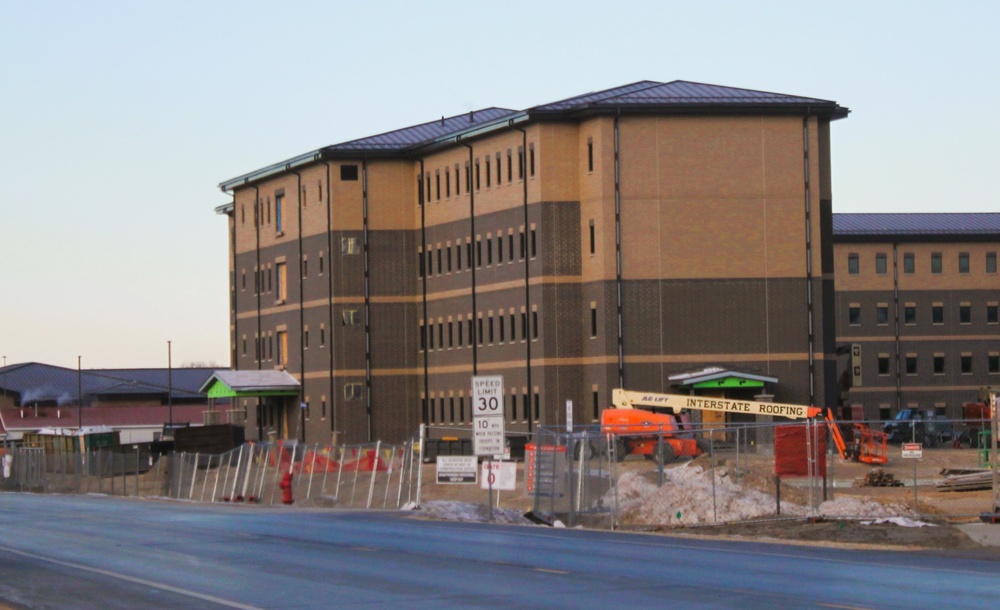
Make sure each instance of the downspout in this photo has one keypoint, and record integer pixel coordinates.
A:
(527, 270)
(329, 275)
(368, 324)
(618, 254)
(895, 303)
(232, 293)
(259, 287)
(422, 199)
(302, 346)
(811, 338)
(475, 259)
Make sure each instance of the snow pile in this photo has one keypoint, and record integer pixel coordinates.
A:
(464, 511)
(901, 521)
(686, 498)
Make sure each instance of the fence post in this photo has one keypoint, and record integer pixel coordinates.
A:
(711, 446)
(420, 466)
(371, 487)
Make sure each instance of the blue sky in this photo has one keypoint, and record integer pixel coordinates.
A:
(119, 119)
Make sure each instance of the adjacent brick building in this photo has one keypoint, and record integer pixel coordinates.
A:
(612, 239)
(920, 294)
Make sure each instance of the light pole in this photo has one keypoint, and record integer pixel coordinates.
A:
(170, 390)
(79, 394)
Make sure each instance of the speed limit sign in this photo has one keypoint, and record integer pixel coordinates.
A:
(487, 415)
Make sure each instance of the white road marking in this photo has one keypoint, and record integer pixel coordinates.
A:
(133, 579)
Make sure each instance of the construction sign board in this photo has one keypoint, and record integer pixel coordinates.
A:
(913, 450)
(456, 469)
(499, 475)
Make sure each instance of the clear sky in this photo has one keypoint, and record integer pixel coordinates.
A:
(119, 119)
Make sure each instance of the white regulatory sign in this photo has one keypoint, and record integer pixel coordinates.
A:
(499, 475)
(487, 415)
(913, 450)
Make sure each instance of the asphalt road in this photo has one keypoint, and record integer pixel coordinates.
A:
(99, 552)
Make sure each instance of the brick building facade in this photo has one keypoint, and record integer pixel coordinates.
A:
(608, 240)
(920, 294)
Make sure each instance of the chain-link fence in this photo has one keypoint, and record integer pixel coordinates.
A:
(725, 474)
(375, 475)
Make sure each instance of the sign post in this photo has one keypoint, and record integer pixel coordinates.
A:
(914, 451)
(488, 421)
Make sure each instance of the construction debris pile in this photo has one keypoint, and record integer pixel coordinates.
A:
(879, 478)
(687, 497)
(965, 480)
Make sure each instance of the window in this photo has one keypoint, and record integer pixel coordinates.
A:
(936, 262)
(534, 244)
(479, 252)
(440, 335)
(939, 364)
(524, 326)
(499, 170)
(499, 248)
(910, 314)
(479, 338)
(488, 174)
(590, 155)
(459, 325)
(911, 364)
(447, 183)
(510, 167)
(882, 314)
(595, 405)
(437, 185)
(282, 274)
(420, 189)
(883, 364)
(348, 173)
(349, 245)
(963, 262)
(510, 247)
(520, 163)
(305, 268)
(965, 313)
(538, 404)
(305, 337)
(350, 317)
(513, 407)
(449, 258)
(322, 336)
(993, 363)
(992, 314)
(966, 364)
(323, 405)
(937, 314)
(534, 325)
(423, 336)
(489, 250)
(458, 257)
(853, 264)
(991, 262)
(592, 243)
(854, 315)
(353, 391)
(321, 268)
(243, 279)
(522, 243)
(500, 320)
(440, 266)
(477, 174)
(420, 264)
(909, 263)
(458, 187)
(531, 160)
(282, 347)
(880, 263)
(490, 326)
(468, 179)
(593, 320)
(278, 221)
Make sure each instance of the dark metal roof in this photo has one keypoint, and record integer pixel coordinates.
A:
(916, 225)
(402, 139)
(33, 381)
(643, 96)
(688, 95)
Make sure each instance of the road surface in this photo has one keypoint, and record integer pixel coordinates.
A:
(94, 551)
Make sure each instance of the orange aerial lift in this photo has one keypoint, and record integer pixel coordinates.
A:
(869, 446)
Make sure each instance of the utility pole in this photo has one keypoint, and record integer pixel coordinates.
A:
(170, 390)
(79, 394)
